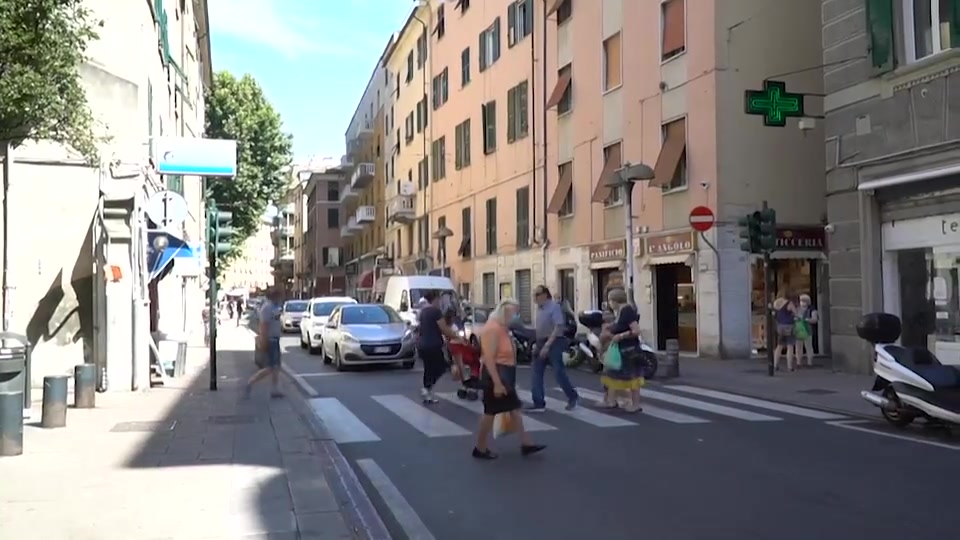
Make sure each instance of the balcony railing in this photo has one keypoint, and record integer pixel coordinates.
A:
(362, 176)
(401, 209)
(347, 193)
(354, 225)
(366, 214)
(289, 209)
(346, 231)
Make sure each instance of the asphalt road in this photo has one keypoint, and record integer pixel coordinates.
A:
(695, 465)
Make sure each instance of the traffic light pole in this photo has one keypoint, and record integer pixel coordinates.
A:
(212, 226)
(768, 289)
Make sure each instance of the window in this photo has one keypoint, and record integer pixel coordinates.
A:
(565, 103)
(466, 234)
(422, 116)
(673, 39)
(465, 67)
(517, 113)
(491, 216)
(519, 21)
(398, 84)
(488, 113)
(462, 144)
(930, 27)
(423, 173)
(673, 154)
(489, 282)
(490, 45)
(611, 62)
(409, 67)
(441, 28)
(330, 256)
(408, 128)
(567, 280)
(613, 159)
(333, 218)
(564, 11)
(440, 88)
(438, 155)
(421, 50)
(523, 218)
(463, 5)
(566, 172)
(333, 192)
(442, 242)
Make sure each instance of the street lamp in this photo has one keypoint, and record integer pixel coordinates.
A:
(441, 236)
(625, 178)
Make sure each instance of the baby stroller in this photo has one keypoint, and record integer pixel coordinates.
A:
(466, 367)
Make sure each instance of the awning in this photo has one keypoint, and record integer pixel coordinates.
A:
(564, 185)
(366, 280)
(465, 247)
(670, 153)
(907, 178)
(158, 260)
(602, 190)
(677, 258)
(562, 84)
(553, 7)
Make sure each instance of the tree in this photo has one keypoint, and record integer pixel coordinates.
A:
(237, 109)
(42, 45)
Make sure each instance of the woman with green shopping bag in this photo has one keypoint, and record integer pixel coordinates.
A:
(622, 362)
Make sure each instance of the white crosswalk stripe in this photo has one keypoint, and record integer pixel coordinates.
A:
(345, 427)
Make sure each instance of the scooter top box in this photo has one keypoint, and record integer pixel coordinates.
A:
(591, 319)
(879, 328)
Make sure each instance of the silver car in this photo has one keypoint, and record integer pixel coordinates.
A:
(292, 314)
(367, 334)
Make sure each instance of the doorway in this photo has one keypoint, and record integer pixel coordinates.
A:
(605, 279)
(676, 306)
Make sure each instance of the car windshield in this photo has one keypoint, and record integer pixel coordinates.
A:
(447, 297)
(369, 315)
(480, 315)
(324, 309)
(295, 307)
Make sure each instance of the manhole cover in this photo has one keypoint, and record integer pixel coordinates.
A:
(816, 392)
(143, 427)
(232, 419)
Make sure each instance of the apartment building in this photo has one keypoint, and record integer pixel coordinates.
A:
(668, 91)
(293, 210)
(407, 77)
(364, 198)
(283, 244)
(325, 221)
(893, 171)
(253, 268)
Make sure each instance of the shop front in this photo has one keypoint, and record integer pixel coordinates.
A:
(606, 269)
(671, 260)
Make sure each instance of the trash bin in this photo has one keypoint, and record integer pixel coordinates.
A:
(15, 365)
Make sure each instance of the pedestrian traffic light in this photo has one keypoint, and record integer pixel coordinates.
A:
(768, 229)
(750, 232)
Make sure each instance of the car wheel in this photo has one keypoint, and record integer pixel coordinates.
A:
(303, 343)
(337, 363)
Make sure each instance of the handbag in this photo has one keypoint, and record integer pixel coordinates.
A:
(612, 358)
(801, 330)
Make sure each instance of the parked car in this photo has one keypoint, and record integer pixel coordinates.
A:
(316, 317)
(292, 314)
(367, 334)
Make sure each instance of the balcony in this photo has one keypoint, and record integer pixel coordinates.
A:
(353, 225)
(286, 231)
(288, 209)
(362, 176)
(287, 255)
(401, 209)
(347, 193)
(366, 214)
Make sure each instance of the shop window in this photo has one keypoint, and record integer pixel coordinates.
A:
(792, 277)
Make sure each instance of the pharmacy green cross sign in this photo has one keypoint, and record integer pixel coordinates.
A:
(774, 103)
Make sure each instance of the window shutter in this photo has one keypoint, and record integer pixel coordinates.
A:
(880, 26)
(521, 97)
(528, 17)
(512, 115)
(511, 24)
(496, 39)
(953, 15)
(482, 51)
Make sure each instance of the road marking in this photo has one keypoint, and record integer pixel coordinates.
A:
(342, 424)
(652, 410)
(758, 403)
(322, 374)
(413, 527)
(298, 380)
(580, 413)
(421, 418)
(721, 410)
(529, 424)
(852, 425)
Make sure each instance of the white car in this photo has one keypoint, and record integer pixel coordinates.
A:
(315, 320)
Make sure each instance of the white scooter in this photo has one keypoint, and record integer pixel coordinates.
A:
(588, 350)
(911, 383)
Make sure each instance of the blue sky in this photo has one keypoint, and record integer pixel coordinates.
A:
(313, 58)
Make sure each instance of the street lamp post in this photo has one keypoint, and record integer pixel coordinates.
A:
(625, 178)
(441, 236)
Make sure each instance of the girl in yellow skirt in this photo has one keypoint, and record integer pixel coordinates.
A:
(624, 333)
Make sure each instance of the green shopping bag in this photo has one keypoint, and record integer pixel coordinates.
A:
(801, 330)
(612, 359)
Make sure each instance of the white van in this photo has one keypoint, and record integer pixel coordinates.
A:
(403, 293)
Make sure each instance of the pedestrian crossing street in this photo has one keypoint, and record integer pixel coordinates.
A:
(674, 404)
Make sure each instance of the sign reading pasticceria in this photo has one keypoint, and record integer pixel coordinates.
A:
(801, 238)
(671, 244)
(608, 251)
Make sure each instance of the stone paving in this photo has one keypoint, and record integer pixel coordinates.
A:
(178, 462)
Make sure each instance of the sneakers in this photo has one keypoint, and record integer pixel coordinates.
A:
(427, 396)
(535, 408)
(572, 404)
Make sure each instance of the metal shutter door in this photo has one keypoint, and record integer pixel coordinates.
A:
(489, 290)
(525, 294)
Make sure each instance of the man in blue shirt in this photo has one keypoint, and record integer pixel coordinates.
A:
(551, 342)
(268, 343)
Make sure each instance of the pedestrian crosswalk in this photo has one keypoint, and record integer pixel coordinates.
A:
(676, 404)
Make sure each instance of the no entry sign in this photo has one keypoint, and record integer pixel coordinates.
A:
(702, 218)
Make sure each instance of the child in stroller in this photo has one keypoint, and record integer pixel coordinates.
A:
(465, 359)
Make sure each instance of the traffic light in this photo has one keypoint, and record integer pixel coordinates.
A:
(750, 232)
(219, 231)
(768, 229)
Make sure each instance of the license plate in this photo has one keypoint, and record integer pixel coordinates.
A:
(381, 349)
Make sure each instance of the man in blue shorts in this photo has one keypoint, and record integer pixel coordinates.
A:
(268, 344)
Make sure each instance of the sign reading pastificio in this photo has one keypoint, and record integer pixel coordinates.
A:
(195, 157)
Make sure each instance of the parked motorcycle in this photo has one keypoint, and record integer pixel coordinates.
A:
(911, 382)
(586, 348)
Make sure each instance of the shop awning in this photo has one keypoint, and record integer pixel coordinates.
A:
(158, 260)
(671, 152)
(366, 280)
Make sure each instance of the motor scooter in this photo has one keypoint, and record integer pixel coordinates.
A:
(588, 346)
(911, 382)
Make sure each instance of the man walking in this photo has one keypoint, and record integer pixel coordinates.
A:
(268, 344)
(550, 327)
(432, 330)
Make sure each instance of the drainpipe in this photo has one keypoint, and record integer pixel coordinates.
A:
(545, 241)
(7, 154)
(427, 66)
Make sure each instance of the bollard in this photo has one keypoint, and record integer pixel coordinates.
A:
(85, 386)
(11, 423)
(670, 364)
(54, 413)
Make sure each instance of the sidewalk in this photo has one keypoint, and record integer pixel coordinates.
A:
(818, 388)
(178, 462)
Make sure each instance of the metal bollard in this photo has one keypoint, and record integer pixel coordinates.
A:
(54, 413)
(11, 423)
(85, 386)
(670, 364)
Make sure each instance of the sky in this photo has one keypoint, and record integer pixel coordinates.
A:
(313, 58)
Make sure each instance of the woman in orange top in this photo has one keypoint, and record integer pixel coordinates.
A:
(499, 375)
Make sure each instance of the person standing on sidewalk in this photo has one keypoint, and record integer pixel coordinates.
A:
(239, 310)
(432, 329)
(268, 344)
(551, 343)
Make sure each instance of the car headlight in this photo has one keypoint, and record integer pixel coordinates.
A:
(408, 335)
(347, 338)
(462, 333)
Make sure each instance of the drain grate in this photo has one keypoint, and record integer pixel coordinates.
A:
(817, 392)
(232, 419)
(143, 427)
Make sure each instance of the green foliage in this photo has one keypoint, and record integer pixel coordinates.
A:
(237, 109)
(42, 45)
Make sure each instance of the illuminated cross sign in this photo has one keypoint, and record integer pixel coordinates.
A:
(774, 103)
